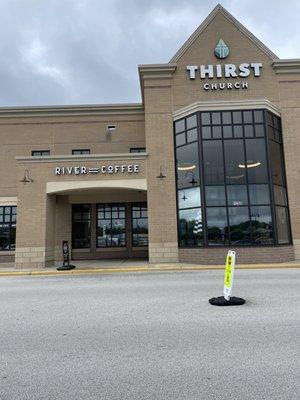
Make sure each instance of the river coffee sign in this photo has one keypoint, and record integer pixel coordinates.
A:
(224, 71)
(102, 169)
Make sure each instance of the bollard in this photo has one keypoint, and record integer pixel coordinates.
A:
(226, 299)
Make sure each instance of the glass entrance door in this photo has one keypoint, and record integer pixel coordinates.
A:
(110, 230)
(111, 225)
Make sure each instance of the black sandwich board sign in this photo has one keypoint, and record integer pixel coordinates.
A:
(66, 257)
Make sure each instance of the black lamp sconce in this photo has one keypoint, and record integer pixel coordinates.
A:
(160, 176)
(26, 178)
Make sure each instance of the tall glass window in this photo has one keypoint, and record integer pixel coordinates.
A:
(8, 218)
(230, 167)
(278, 178)
(111, 225)
(81, 232)
(139, 224)
(188, 182)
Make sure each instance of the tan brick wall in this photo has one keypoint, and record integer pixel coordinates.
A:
(19, 136)
(31, 217)
(33, 257)
(45, 220)
(161, 192)
(244, 255)
(7, 258)
(63, 225)
(163, 252)
(297, 249)
(289, 85)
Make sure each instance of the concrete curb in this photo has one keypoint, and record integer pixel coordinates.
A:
(157, 268)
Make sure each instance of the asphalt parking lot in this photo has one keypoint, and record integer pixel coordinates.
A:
(150, 336)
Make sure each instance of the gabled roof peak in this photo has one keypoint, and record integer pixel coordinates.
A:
(220, 9)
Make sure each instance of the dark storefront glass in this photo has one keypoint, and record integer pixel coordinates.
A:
(40, 153)
(139, 224)
(188, 166)
(213, 162)
(111, 225)
(8, 216)
(81, 232)
(262, 226)
(280, 195)
(259, 194)
(237, 195)
(234, 161)
(190, 227)
(282, 218)
(188, 183)
(137, 150)
(217, 227)
(231, 161)
(80, 152)
(189, 198)
(277, 165)
(215, 196)
(240, 227)
(278, 178)
(256, 161)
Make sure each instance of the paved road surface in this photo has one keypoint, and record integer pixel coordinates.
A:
(150, 336)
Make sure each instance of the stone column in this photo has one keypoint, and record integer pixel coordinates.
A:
(288, 73)
(35, 219)
(63, 225)
(35, 227)
(161, 196)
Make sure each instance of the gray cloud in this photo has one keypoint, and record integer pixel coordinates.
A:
(87, 51)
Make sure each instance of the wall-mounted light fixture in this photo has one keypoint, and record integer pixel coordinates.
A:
(160, 176)
(26, 178)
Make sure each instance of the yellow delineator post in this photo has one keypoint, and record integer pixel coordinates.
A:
(226, 299)
(229, 273)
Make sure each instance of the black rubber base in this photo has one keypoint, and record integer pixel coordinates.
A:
(65, 267)
(221, 301)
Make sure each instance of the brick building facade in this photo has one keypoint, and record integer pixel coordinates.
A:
(208, 161)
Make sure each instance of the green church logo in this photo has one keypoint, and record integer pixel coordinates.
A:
(221, 50)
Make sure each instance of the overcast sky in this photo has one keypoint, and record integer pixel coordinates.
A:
(87, 51)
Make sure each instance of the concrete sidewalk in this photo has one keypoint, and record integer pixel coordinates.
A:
(120, 266)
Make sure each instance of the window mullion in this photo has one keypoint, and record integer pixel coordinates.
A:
(225, 187)
(271, 185)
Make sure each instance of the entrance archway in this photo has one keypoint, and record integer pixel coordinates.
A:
(101, 220)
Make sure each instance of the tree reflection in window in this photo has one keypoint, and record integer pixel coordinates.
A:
(111, 225)
(139, 224)
(190, 227)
